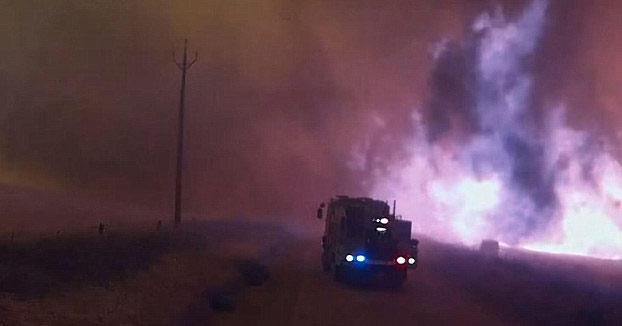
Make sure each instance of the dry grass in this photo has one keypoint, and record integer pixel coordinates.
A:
(155, 280)
(32, 269)
(558, 292)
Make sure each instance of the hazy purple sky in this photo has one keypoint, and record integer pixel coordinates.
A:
(283, 94)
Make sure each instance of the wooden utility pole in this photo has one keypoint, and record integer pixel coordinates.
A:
(183, 66)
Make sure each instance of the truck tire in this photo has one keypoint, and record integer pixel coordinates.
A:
(397, 279)
(339, 273)
(396, 284)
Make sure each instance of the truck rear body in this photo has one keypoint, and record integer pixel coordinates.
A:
(362, 240)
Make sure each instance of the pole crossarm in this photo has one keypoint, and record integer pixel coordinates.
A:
(178, 64)
(196, 55)
(185, 65)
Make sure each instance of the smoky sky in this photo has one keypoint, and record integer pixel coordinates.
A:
(283, 94)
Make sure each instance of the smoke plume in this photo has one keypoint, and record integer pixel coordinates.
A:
(490, 161)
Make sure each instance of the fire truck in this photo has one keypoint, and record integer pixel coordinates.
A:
(364, 241)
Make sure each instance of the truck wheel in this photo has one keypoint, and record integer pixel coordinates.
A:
(396, 283)
(339, 273)
(342, 273)
(404, 275)
(397, 279)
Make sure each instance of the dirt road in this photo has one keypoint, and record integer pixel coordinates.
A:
(301, 294)
(450, 287)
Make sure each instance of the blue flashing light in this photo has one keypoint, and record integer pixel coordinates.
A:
(360, 258)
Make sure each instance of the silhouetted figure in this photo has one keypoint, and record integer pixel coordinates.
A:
(101, 228)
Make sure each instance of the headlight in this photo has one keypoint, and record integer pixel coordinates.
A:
(400, 260)
(360, 258)
(411, 260)
(349, 258)
(384, 220)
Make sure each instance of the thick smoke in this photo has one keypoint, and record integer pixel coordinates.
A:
(483, 87)
(480, 91)
(490, 159)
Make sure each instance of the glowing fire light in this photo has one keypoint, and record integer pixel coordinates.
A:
(589, 209)
(468, 201)
(475, 189)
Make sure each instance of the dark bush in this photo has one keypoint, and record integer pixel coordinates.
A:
(223, 301)
(254, 273)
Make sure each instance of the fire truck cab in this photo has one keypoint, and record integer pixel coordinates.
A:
(364, 241)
